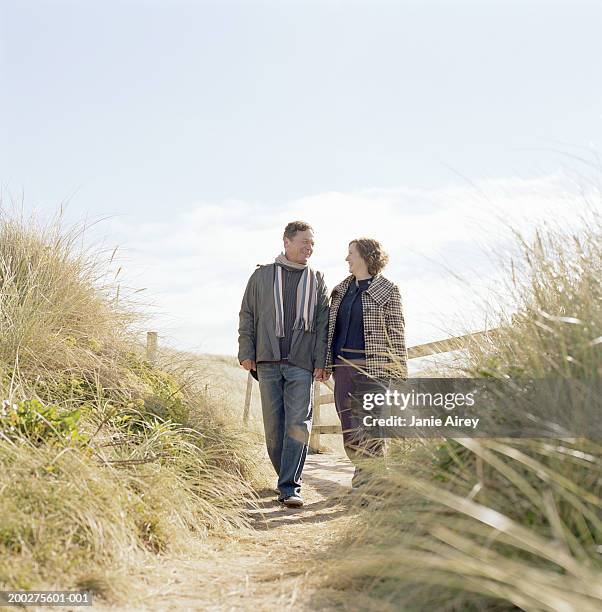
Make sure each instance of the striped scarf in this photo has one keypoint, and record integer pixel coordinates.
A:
(307, 296)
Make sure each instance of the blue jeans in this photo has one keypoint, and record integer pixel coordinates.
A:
(286, 403)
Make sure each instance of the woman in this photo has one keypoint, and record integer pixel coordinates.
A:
(366, 344)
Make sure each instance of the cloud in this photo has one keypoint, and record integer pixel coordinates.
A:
(195, 262)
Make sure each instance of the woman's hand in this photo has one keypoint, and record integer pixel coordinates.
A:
(321, 375)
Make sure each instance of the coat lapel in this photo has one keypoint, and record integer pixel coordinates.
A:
(380, 289)
(341, 289)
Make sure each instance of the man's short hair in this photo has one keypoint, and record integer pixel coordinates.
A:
(290, 231)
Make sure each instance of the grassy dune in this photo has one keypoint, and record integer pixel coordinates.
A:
(496, 524)
(105, 458)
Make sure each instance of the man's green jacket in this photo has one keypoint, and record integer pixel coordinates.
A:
(257, 338)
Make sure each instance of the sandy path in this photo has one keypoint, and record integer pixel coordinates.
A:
(266, 568)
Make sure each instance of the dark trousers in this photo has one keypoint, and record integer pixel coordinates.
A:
(359, 443)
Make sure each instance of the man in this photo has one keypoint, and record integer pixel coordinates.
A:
(282, 340)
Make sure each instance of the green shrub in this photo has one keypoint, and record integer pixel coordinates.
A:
(38, 423)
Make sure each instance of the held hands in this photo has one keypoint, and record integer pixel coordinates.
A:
(248, 364)
(321, 375)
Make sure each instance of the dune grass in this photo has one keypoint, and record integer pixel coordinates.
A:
(496, 524)
(105, 458)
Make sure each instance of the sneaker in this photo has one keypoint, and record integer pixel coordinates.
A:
(292, 501)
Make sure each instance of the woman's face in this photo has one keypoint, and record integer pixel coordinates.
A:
(357, 264)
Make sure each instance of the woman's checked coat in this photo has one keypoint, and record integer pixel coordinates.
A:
(384, 327)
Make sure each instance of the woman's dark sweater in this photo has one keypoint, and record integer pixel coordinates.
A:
(348, 341)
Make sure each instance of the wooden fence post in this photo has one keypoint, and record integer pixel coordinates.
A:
(314, 438)
(245, 414)
(151, 346)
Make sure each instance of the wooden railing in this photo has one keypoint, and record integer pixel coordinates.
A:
(320, 399)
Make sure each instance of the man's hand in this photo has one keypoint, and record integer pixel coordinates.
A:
(248, 364)
(321, 375)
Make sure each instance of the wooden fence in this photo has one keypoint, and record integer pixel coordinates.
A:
(320, 399)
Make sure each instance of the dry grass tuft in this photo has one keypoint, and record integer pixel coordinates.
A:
(105, 458)
(496, 524)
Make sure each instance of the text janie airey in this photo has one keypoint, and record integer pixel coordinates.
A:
(414, 421)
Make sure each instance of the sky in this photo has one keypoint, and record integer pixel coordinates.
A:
(194, 131)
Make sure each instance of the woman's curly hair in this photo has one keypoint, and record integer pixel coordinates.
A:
(372, 252)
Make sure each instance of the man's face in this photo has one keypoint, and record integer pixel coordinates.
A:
(299, 248)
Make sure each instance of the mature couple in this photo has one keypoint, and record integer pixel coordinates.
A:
(289, 335)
